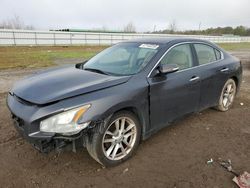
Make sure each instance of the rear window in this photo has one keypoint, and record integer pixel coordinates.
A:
(206, 54)
(217, 54)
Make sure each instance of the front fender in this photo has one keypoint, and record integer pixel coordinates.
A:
(111, 100)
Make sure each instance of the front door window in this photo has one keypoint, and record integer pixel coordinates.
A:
(180, 55)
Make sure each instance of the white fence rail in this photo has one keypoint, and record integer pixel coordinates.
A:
(51, 38)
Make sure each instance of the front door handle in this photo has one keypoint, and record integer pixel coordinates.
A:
(194, 78)
(224, 70)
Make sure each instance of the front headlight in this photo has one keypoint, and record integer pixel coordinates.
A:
(67, 123)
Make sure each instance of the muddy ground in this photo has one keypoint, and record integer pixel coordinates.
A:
(174, 157)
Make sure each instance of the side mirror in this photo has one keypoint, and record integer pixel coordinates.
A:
(80, 65)
(167, 68)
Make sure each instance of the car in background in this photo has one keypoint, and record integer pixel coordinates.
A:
(123, 95)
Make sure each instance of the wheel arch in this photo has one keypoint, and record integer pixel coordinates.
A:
(133, 109)
(137, 113)
(236, 80)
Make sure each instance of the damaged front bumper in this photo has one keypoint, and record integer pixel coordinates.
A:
(47, 142)
(30, 130)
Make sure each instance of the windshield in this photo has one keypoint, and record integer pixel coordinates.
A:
(122, 59)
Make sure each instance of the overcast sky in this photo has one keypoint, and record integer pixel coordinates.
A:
(114, 14)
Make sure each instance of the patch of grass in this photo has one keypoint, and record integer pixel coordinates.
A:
(235, 46)
(24, 57)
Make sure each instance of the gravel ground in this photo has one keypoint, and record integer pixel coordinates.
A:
(174, 157)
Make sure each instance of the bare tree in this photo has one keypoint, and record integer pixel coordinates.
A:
(172, 26)
(130, 28)
(104, 28)
(29, 27)
(15, 23)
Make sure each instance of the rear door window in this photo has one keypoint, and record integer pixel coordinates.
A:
(205, 54)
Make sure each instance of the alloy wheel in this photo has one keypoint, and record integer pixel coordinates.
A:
(119, 138)
(228, 95)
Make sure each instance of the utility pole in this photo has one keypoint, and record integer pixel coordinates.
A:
(154, 28)
(199, 26)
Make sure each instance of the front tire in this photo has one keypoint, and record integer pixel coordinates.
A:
(115, 141)
(227, 96)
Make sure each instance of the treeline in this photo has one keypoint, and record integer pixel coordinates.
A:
(240, 30)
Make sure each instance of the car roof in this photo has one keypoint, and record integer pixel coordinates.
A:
(165, 40)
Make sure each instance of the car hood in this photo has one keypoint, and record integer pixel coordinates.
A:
(60, 83)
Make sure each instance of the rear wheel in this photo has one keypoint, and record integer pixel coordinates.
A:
(227, 96)
(118, 140)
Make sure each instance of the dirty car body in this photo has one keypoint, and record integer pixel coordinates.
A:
(155, 97)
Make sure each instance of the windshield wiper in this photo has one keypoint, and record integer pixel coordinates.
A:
(96, 70)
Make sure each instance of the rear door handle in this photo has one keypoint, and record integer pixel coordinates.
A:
(224, 70)
(194, 78)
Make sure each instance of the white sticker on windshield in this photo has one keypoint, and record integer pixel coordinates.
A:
(151, 46)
